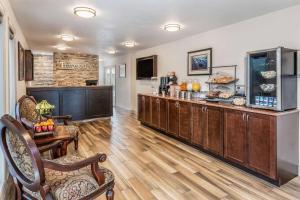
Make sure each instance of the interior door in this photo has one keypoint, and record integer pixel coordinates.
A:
(110, 79)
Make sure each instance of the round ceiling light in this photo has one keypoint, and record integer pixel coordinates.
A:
(129, 44)
(85, 12)
(112, 51)
(172, 27)
(67, 37)
(62, 47)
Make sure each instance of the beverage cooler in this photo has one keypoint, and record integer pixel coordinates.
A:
(272, 79)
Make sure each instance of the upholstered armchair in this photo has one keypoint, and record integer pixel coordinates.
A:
(26, 114)
(65, 178)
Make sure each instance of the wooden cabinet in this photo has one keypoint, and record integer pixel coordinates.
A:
(141, 115)
(199, 128)
(250, 141)
(155, 113)
(163, 114)
(29, 72)
(257, 140)
(173, 117)
(261, 144)
(214, 130)
(185, 121)
(144, 109)
(158, 113)
(235, 136)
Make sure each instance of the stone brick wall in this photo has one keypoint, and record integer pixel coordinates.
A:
(43, 70)
(65, 69)
(75, 69)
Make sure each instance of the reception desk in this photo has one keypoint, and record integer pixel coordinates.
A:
(84, 102)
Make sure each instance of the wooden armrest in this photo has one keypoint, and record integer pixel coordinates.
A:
(49, 164)
(28, 124)
(51, 146)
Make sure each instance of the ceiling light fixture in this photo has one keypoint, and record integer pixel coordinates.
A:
(62, 47)
(67, 37)
(129, 44)
(85, 12)
(172, 27)
(112, 51)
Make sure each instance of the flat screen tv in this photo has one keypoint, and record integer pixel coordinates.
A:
(146, 67)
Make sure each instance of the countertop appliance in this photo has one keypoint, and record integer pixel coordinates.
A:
(272, 79)
(164, 84)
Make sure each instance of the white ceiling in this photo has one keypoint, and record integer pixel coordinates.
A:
(140, 20)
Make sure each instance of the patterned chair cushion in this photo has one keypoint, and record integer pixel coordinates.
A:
(20, 155)
(71, 129)
(75, 184)
(27, 110)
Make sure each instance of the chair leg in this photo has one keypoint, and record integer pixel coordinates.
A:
(76, 143)
(110, 194)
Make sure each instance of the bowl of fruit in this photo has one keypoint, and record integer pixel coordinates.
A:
(44, 126)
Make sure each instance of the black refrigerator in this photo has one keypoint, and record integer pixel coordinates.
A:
(272, 79)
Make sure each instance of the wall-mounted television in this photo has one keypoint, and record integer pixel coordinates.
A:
(146, 67)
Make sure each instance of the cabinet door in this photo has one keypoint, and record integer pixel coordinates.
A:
(261, 144)
(199, 131)
(141, 113)
(163, 114)
(235, 136)
(147, 109)
(185, 124)
(155, 112)
(173, 117)
(215, 130)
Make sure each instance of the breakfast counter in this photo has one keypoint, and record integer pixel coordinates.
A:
(262, 142)
(82, 102)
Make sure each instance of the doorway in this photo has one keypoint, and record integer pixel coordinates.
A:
(110, 79)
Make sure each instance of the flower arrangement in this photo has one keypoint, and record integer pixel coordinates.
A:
(44, 108)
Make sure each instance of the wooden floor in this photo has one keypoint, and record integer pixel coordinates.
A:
(149, 165)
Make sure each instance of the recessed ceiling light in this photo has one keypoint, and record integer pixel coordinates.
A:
(112, 51)
(67, 37)
(129, 44)
(85, 12)
(172, 27)
(62, 47)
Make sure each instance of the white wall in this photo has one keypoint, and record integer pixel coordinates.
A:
(9, 21)
(230, 44)
(123, 85)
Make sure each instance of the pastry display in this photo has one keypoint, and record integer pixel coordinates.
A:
(226, 95)
(239, 101)
(268, 74)
(267, 87)
(221, 78)
(213, 94)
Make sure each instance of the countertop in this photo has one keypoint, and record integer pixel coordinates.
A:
(225, 106)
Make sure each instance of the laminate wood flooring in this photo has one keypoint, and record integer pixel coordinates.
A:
(149, 165)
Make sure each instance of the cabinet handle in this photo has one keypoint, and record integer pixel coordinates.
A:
(244, 116)
(157, 100)
(247, 119)
(203, 109)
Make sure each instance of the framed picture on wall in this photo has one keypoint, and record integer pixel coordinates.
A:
(21, 62)
(122, 71)
(199, 62)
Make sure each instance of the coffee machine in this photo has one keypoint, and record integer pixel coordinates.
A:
(164, 84)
